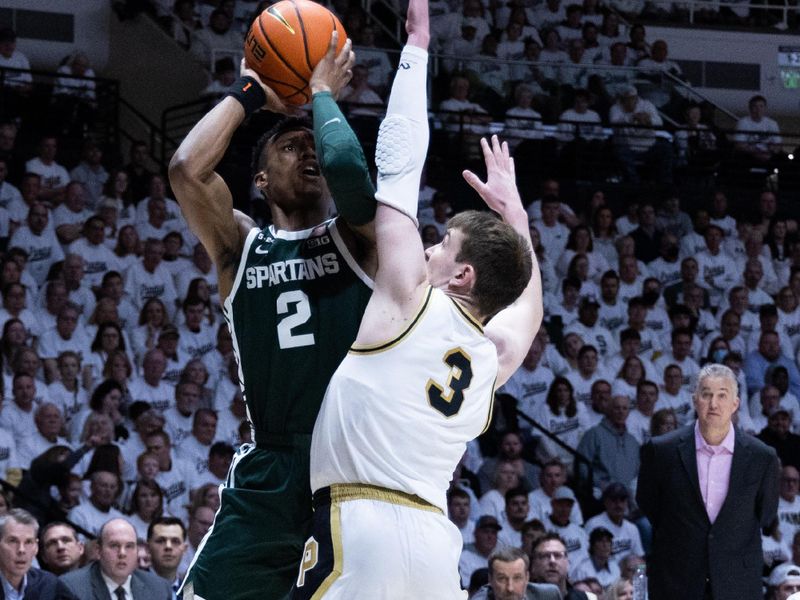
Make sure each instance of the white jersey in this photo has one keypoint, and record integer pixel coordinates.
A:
(399, 415)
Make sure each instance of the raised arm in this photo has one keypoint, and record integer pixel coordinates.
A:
(340, 155)
(204, 197)
(512, 329)
(400, 155)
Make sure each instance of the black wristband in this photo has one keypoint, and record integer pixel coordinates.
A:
(249, 93)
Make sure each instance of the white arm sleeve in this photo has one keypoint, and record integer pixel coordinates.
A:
(403, 135)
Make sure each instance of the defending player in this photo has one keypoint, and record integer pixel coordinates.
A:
(293, 295)
(419, 381)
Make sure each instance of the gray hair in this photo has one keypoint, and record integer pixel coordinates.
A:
(21, 516)
(509, 555)
(717, 371)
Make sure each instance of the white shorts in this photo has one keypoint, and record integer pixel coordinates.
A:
(379, 544)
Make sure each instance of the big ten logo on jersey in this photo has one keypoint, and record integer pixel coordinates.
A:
(318, 241)
(310, 559)
(294, 269)
(255, 47)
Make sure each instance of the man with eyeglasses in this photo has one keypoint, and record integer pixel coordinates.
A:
(550, 564)
(509, 579)
(784, 581)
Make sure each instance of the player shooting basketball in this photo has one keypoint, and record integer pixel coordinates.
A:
(418, 383)
(293, 294)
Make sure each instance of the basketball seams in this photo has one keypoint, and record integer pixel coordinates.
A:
(279, 56)
(303, 31)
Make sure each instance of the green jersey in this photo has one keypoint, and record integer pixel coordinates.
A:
(294, 310)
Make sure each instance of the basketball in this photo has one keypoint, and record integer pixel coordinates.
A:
(285, 43)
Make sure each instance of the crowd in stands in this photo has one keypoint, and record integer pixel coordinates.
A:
(120, 396)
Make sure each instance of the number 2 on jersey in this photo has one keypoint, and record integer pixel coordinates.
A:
(449, 403)
(301, 314)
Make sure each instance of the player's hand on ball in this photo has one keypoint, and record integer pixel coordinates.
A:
(334, 71)
(274, 103)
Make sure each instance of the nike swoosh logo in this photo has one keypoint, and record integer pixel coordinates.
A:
(260, 250)
(334, 120)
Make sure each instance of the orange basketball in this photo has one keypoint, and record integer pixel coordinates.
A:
(287, 41)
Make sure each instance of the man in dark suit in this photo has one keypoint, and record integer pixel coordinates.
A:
(18, 546)
(115, 576)
(708, 489)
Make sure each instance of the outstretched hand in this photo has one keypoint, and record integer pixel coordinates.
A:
(334, 71)
(500, 189)
(274, 103)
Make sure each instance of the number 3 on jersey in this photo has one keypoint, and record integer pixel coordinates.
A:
(296, 306)
(449, 403)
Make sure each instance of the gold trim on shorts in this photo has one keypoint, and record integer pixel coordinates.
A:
(342, 492)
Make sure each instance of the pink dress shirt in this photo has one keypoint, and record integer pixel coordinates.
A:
(713, 470)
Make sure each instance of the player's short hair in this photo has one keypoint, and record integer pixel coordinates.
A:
(281, 127)
(501, 258)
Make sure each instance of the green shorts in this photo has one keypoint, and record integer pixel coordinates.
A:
(254, 547)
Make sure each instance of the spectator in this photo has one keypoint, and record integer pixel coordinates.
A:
(116, 569)
(217, 40)
(458, 511)
(147, 505)
(61, 550)
(54, 177)
(757, 137)
(18, 416)
(39, 241)
(580, 122)
(514, 517)
(789, 503)
(647, 236)
(12, 58)
(695, 143)
(219, 460)
(769, 355)
(200, 521)
(562, 416)
(548, 15)
(507, 477)
(636, 141)
(529, 384)
(509, 573)
(49, 424)
(510, 450)
(784, 581)
(464, 115)
(552, 477)
(18, 547)
(360, 97)
(612, 451)
(150, 279)
(639, 419)
(559, 521)
(195, 448)
(166, 540)
(176, 477)
(475, 555)
(626, 535)
(91, 173)
(98, 509)
(550, 564)
(663, 421)
(598, 565)
(778, 435)
(140, 170)
(375, 59)
(521, 120)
